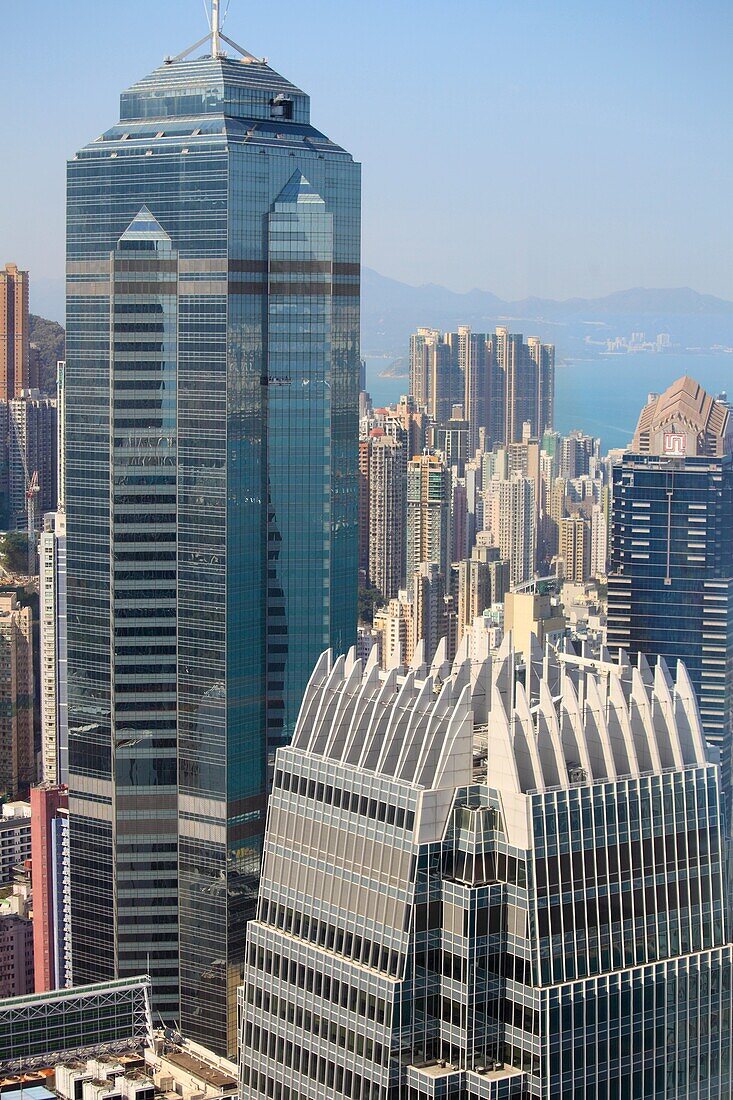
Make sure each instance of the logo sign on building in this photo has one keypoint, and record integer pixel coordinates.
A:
(675, 443)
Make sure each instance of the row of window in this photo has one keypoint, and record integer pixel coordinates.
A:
(321, 1028)
(307, 1062)
(350, 801)
(357, 948)
(320, 985)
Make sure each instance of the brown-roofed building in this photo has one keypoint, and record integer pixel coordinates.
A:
(684, 420)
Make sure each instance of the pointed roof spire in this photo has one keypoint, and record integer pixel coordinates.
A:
(216, 36)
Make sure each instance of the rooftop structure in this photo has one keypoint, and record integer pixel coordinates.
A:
(684, 421)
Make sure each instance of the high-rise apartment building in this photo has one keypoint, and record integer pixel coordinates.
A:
(15, 839)
(32, 449)
(496, 879)
(429, 610)
(524, 385)
(420, 364)
(50, 881)
(212, 379)
(16, 955)
(501, 382)
(575, 547)
(670, 587)
(387, 513)
(15, 332)
(53, 649)
(17, 763)
(428, 514)
(517, 527)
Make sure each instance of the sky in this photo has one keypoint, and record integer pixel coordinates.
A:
(527, 147)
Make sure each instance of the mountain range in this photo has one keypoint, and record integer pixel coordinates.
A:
(391, 310)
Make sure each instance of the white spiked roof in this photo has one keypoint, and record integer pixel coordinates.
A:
(557, 722)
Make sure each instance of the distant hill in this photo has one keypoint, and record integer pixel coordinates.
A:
(391, 310)
(50, 339)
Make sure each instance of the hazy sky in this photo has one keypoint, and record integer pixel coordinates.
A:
(544, 147)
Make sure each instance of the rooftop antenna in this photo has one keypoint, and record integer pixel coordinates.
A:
(216, 36)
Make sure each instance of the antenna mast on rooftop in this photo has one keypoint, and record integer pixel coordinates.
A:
(216, 36)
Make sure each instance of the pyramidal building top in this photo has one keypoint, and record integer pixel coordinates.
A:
(684, 421)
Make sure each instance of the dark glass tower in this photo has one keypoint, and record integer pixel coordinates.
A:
(212, 395)
(670, 590)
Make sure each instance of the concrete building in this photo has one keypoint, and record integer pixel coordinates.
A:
(53, 647)
(532, 618)
(32, 449)
(394, 628)
(17, 761)
(428, 514)
(16, 955)
(15, 839)
(670, 587)
(575, 547)
(429, 610)
(483, 580)
(15, 337)
(387, 513)
(517, 528)
(492, 880)
(50, 882)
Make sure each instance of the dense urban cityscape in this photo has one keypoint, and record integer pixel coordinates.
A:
(346, 750)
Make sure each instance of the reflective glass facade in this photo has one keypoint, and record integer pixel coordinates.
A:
(670, 590)
(212, 391)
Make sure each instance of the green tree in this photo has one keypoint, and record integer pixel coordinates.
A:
(50, 339)
(14, 552)
(370, 600)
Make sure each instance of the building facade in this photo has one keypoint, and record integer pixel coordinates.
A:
(15, 332)
(49, 879)
(387, 513)
(494, 879)
(670, 586)
(17, 761)
(16, 955)
(428, 514)
(212, 379)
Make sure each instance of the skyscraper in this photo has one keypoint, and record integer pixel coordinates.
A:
(496, 879)
(387, 513)
(212, 379)
(518, 528)
(670, 587)
(15, 347)
(17, 762)
(428, 514)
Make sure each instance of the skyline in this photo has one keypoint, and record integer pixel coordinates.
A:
(593, 97)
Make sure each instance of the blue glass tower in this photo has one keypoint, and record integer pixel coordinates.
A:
(670, 590)
(212, 396)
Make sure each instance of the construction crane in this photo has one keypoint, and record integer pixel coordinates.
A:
(30, 510)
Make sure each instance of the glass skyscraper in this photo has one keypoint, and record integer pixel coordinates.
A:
(670, 589)
(493, 880)
(212, 395)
